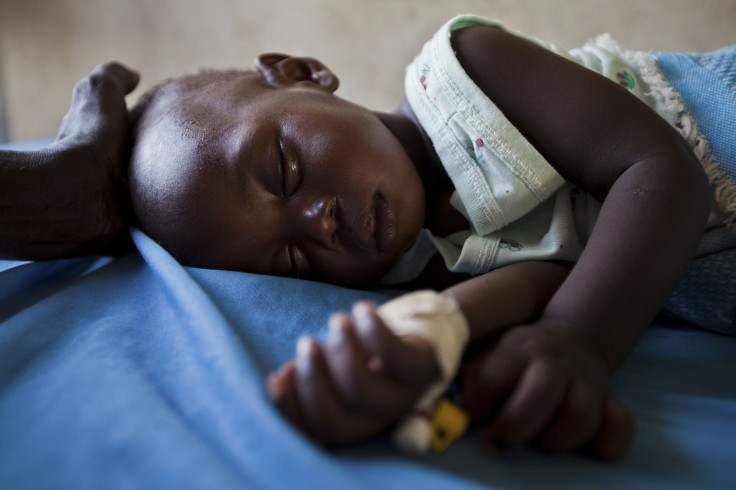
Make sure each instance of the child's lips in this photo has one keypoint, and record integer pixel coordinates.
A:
(375, 226)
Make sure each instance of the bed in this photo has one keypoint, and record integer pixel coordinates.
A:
(136, 372)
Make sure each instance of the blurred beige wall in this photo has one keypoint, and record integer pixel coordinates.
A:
(46, 45)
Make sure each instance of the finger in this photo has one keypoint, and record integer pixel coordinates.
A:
(496, 378)
(326, 420)
(534, 401)
(411, 364)
(281, 389)
(107, 84)
(98, 111)
(615, 434)
(341, 325)
(125, 78)
(577, 421)
(315, 396)
(360, 387)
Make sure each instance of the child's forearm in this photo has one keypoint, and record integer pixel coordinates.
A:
(508, 296)
(646, 233)
(654, 192)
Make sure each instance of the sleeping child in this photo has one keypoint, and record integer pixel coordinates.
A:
(545, 203)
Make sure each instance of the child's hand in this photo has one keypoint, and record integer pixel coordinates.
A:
(544, 385)
(362, 381)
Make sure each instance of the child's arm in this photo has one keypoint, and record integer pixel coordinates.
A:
(357, 384)
(330, 392)
(596, 134)
(65, 199)
(535, 383)
(547, 381)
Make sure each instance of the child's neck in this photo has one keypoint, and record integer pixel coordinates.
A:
(440, 218)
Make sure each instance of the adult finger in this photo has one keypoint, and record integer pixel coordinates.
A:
(108, 83)
(125, 78)
(98, 112)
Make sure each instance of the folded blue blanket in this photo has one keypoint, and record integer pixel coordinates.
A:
(707, 83)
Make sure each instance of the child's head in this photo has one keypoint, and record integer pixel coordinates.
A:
(268, 171)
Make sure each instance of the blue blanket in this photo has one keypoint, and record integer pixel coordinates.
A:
(139, 373)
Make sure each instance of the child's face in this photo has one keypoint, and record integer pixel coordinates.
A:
(286, 181)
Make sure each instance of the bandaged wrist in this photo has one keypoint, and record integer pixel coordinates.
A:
(438, 320)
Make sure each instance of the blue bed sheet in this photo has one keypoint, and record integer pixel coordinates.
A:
(136, 372)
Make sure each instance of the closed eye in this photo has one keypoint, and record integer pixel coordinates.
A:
(297, 262)
(289, 169)
(290, 261)
(282, 167)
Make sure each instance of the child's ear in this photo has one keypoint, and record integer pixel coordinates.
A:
(281, 70)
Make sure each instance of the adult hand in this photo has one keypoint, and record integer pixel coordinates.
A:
(544, 385)
(69, 198)
(362, 381)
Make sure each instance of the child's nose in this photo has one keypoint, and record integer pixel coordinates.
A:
(318, 221)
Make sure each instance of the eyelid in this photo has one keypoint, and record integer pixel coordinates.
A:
(282, 166)
(290, 261)
(289, 168)
(298, 263)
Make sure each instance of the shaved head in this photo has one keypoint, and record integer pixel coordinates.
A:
(168, 135)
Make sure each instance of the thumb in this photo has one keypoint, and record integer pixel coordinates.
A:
(125, 78)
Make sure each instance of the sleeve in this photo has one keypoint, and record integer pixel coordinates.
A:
(498, 175)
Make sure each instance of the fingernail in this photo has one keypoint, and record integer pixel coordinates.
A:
(304, 347)
(320, 75)
(362, 312)
(336, 326)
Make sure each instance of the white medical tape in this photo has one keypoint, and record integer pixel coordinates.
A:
(438, 320)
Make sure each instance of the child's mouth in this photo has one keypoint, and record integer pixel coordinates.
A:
(375, 226)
